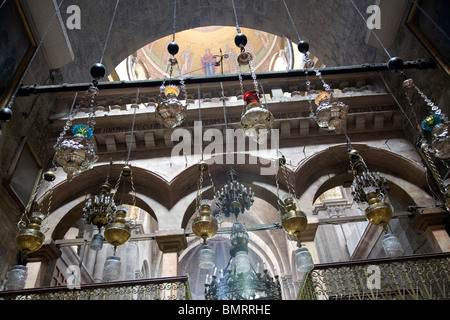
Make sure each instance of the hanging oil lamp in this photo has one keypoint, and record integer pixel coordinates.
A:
(30, 237)
(76, 153)
(170, 112)
(293, 220)
(97, 209)
(257, 121)
(369, 189)
(330, 114)
(118, 231)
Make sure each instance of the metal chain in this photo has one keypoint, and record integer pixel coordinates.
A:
(312, 115)
(199, 193)
(212, 183)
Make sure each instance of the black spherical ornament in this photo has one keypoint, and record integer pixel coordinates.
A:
(240, 40)
(395, 63)
(5, 114)
(98, 71)
(303, 46)
(173, 48)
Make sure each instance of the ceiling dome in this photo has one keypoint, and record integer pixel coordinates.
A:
(201, 48)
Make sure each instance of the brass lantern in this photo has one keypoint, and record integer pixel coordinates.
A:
(369, 189)
(30, 237)
(205, 225)
(118, 231)
(293, 221)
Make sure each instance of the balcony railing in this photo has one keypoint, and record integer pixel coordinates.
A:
(417, 277)
(171, 288)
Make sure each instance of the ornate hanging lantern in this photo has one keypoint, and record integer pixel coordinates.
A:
(118, 231)
(330, 115)
(97, 209)
(369, 190)
(256, 120)
(170, 112)
(293, 221)
(30, 237)
(205, 225)
(76, 153)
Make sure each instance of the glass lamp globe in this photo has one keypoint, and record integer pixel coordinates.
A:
(440, 142)
(17, 278)
(111, 269)
(392, 246)
(206, 259)
(97, 242)
(303, 260)
(242, 262)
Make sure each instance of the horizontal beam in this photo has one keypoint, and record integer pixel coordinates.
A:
(27, 90)
(261, 227)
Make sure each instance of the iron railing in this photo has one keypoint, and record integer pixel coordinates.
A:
(416, 277)
(170, 288)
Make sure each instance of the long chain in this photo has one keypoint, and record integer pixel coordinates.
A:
(132, 126)
(109, 31)
(174, 19)
(235, 16)
(292, 21)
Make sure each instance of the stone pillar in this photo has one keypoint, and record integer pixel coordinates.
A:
(432, 222)
(40, 264)
(170, 242)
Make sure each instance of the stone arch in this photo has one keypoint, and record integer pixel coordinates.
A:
(404, 175)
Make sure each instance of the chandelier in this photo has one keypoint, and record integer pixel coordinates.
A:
(234, 198)
(97, 209)
(239, 280)
(369, 190)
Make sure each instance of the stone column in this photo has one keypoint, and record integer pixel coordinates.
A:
(432, 222)
(41, 264)
(170, 242)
